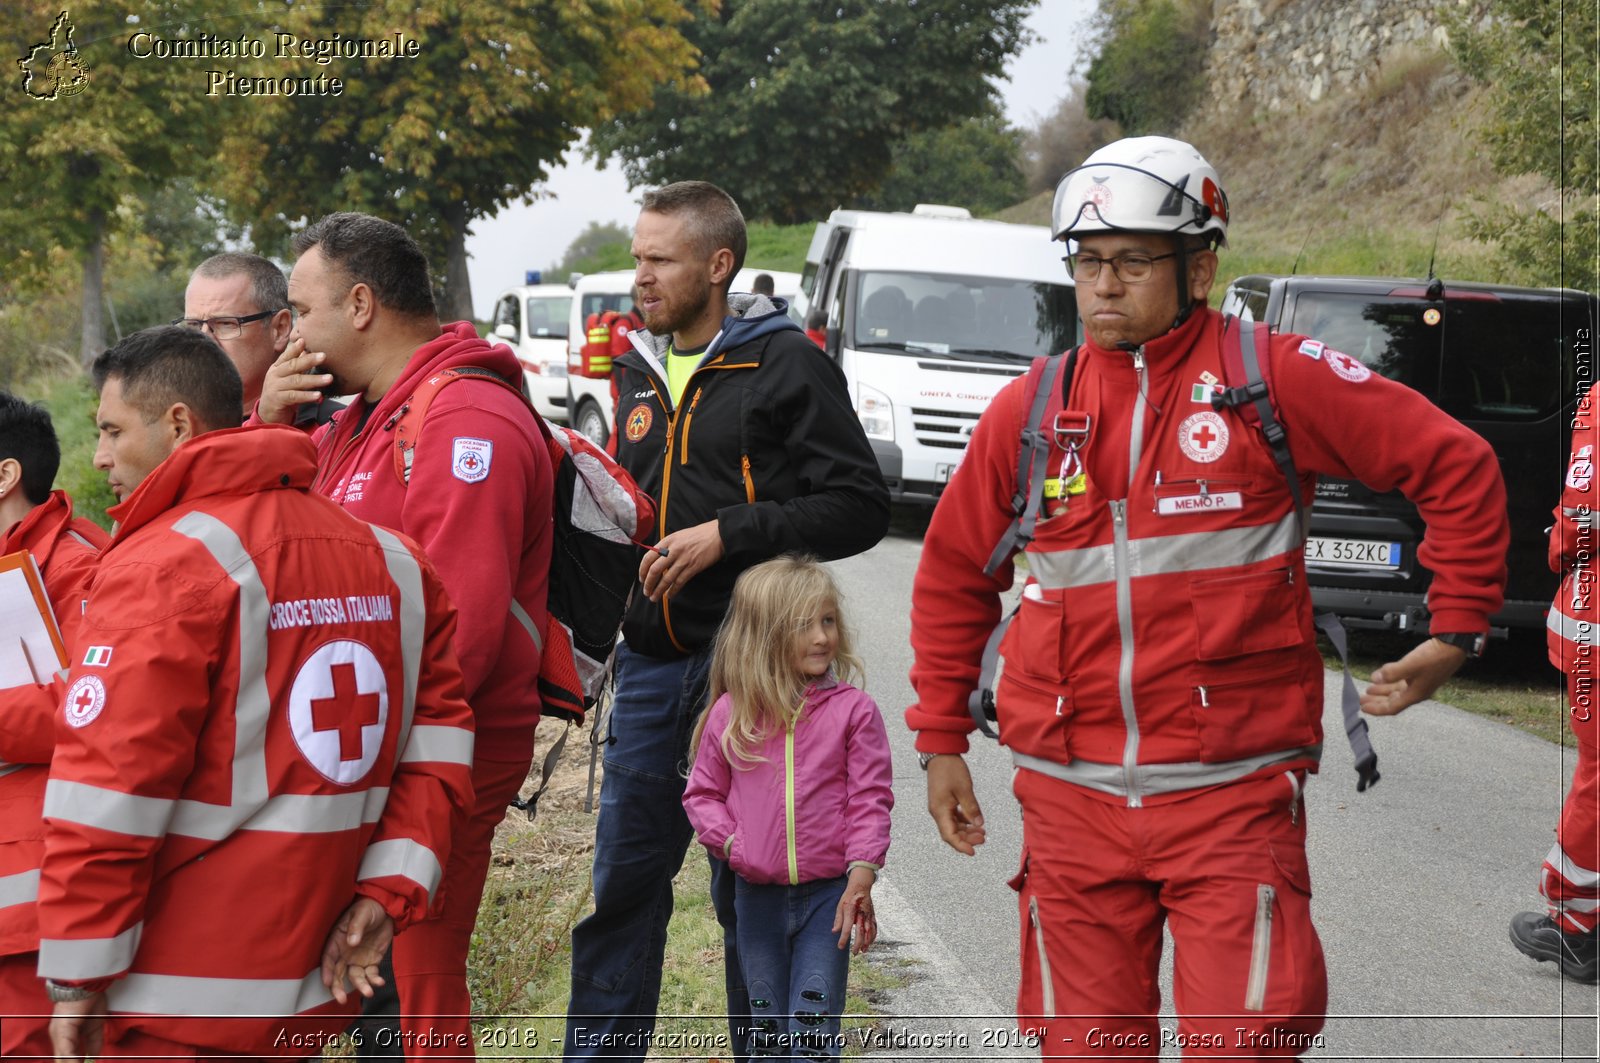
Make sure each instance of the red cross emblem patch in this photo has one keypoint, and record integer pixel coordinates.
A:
(339, 709)
(84, 701)
(470, 459)
(1347, 367)
(1203, 436)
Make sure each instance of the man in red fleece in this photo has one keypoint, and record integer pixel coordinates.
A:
(479, 503)
(36, 519)
(1162, 691)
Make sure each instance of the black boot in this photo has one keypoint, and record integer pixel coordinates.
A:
(1578, 955)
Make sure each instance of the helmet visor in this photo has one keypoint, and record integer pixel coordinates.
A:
(1100, 197)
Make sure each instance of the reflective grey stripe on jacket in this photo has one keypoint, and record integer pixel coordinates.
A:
(1159, 778)
(169, 994)
(1578, 632)
(19, 888)
(1166, 554)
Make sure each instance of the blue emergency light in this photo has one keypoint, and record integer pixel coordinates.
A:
(533, 277)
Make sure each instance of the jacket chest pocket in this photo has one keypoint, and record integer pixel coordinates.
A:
(1036, 643)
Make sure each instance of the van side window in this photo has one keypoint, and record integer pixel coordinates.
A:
(1505, 357)
(1390, 335)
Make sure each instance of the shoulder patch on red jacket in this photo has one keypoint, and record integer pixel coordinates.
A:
(85, 700)
(471, 458)
(1351, 369)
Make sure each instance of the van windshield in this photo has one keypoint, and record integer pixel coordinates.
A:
(962, 317)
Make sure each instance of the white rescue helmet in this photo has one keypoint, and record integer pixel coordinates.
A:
(1142, 184)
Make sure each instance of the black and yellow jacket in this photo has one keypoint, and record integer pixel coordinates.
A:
(765, 443)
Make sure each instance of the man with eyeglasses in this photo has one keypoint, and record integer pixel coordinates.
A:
(242, 300)
(1162, 691)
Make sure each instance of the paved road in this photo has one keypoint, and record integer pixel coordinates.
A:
(1416, 879)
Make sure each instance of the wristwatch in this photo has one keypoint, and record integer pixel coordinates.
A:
(924, 758)
(66, 994)
(1463, 640)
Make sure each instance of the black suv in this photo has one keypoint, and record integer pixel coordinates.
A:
(1509, 363)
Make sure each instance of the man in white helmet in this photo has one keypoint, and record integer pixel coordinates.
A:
(1162, 693)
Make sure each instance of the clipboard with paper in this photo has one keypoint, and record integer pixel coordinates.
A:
(31, 649)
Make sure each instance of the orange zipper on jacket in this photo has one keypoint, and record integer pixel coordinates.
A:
(688, 423)
(749, 481)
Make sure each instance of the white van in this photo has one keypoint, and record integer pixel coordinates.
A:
(589, 398)
(929, 314)
(533, 318)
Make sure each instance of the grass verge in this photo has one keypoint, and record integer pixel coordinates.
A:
(538, 888)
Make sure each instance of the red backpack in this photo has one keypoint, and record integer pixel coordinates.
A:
(601, 518)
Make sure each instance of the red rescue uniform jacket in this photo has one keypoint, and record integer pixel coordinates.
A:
(1164, 642)
(65, 549)
(273, 722)
(479, 505)
(1571, 633)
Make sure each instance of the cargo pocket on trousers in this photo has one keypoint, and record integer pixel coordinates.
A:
(1036, 994)
(1286, 974)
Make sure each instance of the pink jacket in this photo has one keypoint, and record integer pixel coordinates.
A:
(817, 805)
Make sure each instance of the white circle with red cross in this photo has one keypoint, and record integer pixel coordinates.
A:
(85, 699)
(1351, 369)
(1203, 436)
(339, 709)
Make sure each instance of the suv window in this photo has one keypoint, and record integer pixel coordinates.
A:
(1392, 336)
(1247, 304)
(1507, 357)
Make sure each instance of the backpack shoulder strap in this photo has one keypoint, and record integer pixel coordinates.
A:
(407, 420)
(1046, 377)
(1243, 360)
(1027, 492)
(1245, 365)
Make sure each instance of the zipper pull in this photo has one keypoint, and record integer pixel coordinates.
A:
(1205, 702)
(1138, 360)
(1060, 699)
(1205, 489)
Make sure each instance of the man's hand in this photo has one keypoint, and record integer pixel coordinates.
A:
(78, 1028)
(356, 944)
(1400, 684)
(952, 804)
(679, 558)
(290, 383)
(855, 910)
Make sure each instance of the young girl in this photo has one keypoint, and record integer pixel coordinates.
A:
(791, 785)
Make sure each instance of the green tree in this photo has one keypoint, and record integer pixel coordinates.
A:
(496, 91)
(87, 131)
(971, 164)
(601, 246)
(809, 97)
(1541, 60)
(1151, 66)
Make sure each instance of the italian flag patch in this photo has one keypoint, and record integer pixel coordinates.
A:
(99, 656)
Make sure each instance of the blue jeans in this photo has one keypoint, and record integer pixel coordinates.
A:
(639, 843)
(794, 966)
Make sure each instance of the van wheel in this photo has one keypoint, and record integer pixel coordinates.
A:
(592, 423)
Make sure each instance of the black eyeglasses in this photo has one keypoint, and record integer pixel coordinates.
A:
(222, 328)
(1130, 269)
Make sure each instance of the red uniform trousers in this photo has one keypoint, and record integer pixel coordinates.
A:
(1570, 879)
(1225, 869)
(430, 957)
(24, 1008)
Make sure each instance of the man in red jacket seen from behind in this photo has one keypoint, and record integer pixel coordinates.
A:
(478, 502)
(1162, 691)
(262, 744)
(36, 519)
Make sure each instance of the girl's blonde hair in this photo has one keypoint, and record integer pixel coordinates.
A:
(753, 659)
